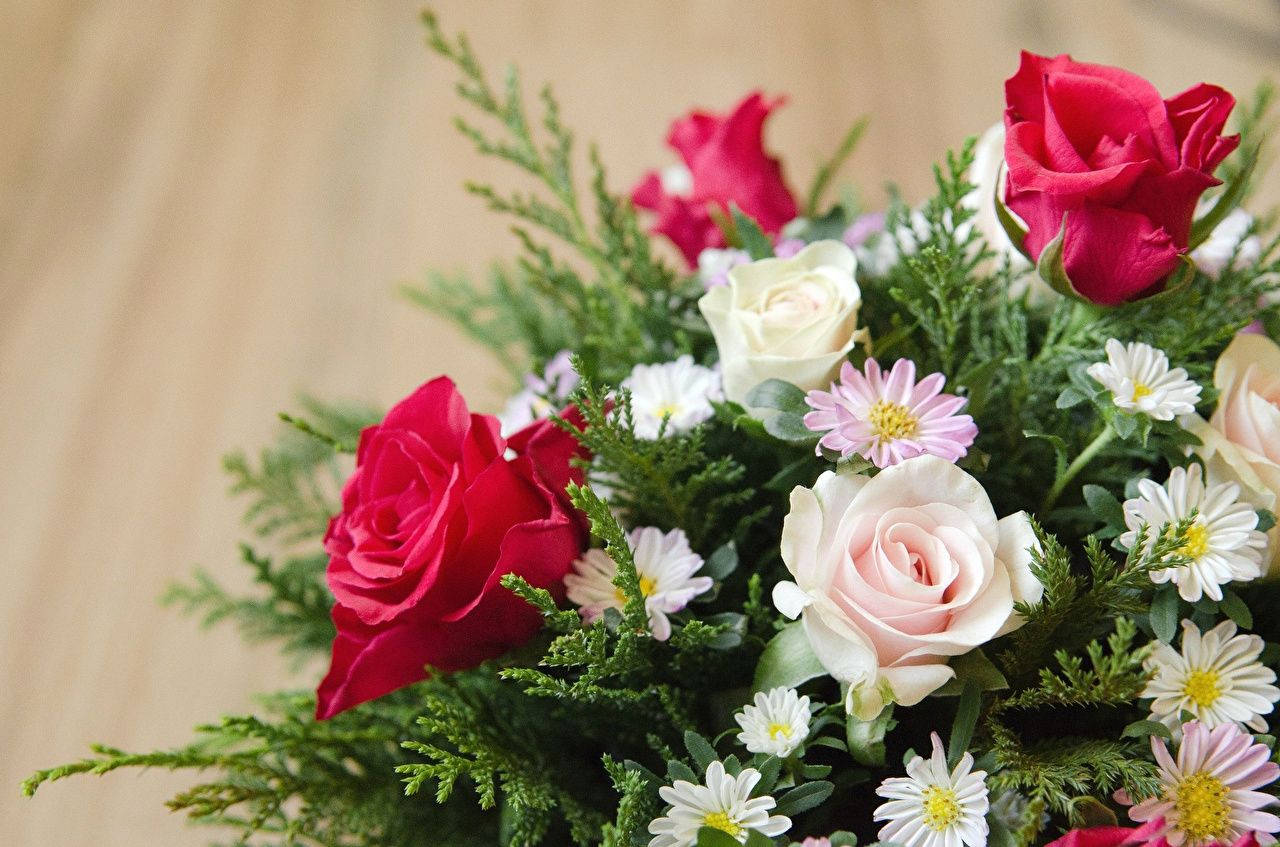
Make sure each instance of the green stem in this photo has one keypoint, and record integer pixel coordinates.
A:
(1086, 456)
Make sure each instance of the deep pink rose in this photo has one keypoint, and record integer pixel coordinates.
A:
(1099, 145)
(726, 163)
(432, 518)
(1122, 836)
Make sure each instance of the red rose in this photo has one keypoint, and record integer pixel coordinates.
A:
(433, 516)
(1099, 145)
(1143, 836)
(726, 164)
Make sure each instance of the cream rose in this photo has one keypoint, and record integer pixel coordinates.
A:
(793, 319)
(896, 573)
(1242, 437)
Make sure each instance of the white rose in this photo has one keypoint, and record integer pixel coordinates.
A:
(1242, 437)
(988, 173)
(794, 319)
(896, 573)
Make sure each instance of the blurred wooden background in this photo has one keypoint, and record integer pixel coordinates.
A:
(204, 208)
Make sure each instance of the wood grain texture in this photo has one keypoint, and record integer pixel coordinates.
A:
(205, 207)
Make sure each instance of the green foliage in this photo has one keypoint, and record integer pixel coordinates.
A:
(1062, 773)
(1076, 609)
(286, 779)
(675, 480)
(293, 611)
(292, 487)
(623, 310)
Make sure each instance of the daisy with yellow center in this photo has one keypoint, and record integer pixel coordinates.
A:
(722, 802)
(933, 806)
(1218, 678)
(776, 723)
(889, 417)
(1223, 543)
(672, 397)
(665, 565)
(1210, 792)
(1140, 380)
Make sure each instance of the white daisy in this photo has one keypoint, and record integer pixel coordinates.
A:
(679, 392)
(777, 723)
(1217, 678)
(1230, 242)
(1210, 793)
(542, 395)
(666, 567)
(1223, 542)
(724, 802)
(1139, 379)
(931, 807)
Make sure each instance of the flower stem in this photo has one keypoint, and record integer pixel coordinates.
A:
(1086, 456)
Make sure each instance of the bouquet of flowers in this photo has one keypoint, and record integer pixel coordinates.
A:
(928, 526)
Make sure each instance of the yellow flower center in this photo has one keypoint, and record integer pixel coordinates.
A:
(1141, 390)
(647, 586)
(1196, 542)
(891, 421)
(670, 410)
(776, 729)
(941, 807)
(1202, 687)
(1200, 801)
(722, 822)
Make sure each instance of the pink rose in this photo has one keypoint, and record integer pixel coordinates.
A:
(1099, 145)
(896, 573)
(724, 162)
(1242, 437)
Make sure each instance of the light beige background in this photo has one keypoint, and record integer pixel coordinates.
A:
(204, 207)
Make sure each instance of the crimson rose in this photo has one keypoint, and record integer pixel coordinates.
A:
(432, 518)
(1144, 836)
(725, 162)
(1099, 145)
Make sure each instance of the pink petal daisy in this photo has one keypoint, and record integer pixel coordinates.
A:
(1209, 794)
(888, 418)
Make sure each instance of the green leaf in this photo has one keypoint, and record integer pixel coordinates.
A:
(1146, 729)
(787, 660)
(966, 721)
(998, 834)
(1266, 520)
(827, 171)
(709, 836)
(973, 666)
(842, 838)
(750, 236)
(1233, 607)
(700, 749)
(722, 562)
(1104, 504)
(1013, 227)
(802, 798)
(788, 427)
(677, 769)
(1227, 200)
(1070, 397)
(778, 394)
(1164, 613)
(1050, 268)
(755, 839)
(1124, 424)
(866, 738)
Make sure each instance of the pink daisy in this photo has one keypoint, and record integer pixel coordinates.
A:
(888, 418)
(1209, 794)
